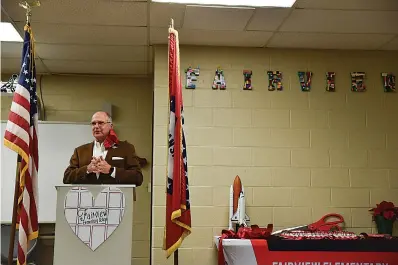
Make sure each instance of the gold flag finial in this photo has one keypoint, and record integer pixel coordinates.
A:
(28, 6)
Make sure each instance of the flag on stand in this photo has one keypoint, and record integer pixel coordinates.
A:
(178, 212)
(21, 136)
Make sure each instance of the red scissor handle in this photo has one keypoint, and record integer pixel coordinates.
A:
(324, 225)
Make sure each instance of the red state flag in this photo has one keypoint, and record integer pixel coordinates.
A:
(178, 212)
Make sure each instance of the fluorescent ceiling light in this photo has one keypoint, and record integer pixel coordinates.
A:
(9, 33)
(250, 3)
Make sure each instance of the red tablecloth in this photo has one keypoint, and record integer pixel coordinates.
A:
(256, 252)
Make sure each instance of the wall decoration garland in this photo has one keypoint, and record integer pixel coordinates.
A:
(357, 81)
(274, 80)
(330, 83)
(247, 85)
(388, 82)
(191, 76)
(219, 80)
(305, 80)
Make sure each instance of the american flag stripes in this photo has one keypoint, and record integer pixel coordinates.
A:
(21, 136)
(178, 209)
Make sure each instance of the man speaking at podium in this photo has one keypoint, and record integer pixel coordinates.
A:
(106, 160)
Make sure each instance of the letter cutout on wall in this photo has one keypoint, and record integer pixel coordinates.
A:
(219, 80)
(388, 82)
(305, 80)
(274, 80)
(330, 83)
(191, 76)
(247, 74)
(357, 82)
(93, 220)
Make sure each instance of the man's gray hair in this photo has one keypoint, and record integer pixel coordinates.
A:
(109, 117)
(107, 114)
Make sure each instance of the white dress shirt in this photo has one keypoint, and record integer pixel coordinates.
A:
(98, 151)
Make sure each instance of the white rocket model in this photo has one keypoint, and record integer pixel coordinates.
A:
(237, 213)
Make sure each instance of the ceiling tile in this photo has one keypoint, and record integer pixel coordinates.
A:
(4, 17)
(93, 12)
(328, 41)
(351, 4)
(213, 38)
(13, 66)
(335, 21)
(210, 18)
(75, 34)
(161, 13)
(268, 19)
(91, 52)
(110, 36)
(160, 35)
(87, 67)
(392, 45)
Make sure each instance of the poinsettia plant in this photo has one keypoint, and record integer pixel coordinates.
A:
(386, 209)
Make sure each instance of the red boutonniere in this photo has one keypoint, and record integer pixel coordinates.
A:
(111, 139)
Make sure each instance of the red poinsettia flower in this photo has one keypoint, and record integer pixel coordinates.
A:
(386, 209)
(376, 211)
(383, 206)
(389, 215)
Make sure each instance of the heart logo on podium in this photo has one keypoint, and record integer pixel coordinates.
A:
(94, 220)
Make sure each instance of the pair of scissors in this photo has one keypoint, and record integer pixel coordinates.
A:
(324, 225)
(320, 225)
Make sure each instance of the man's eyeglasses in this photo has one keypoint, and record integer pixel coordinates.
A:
(100, 123)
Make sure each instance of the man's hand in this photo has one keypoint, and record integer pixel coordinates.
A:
(102, 166)
(92, 167)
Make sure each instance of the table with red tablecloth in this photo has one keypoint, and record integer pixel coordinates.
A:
(277, 251)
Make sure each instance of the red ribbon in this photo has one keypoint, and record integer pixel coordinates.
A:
(252, 232)
(111, 139)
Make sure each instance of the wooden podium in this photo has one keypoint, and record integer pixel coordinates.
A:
(94, 224)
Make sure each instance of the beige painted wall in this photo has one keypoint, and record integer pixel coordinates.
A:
(75, 99)
(299, 155)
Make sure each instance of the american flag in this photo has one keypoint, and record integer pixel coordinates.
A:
(21, 136)
(178, 206)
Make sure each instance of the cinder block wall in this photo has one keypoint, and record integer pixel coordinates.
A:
(299, 154)
(75, 99)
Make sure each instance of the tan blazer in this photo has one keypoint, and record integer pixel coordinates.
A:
(128, 170)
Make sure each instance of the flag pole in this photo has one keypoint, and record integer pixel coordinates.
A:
(28, 7)
(172, 23)
(176, 251)
(14, 214)
(176, 257)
